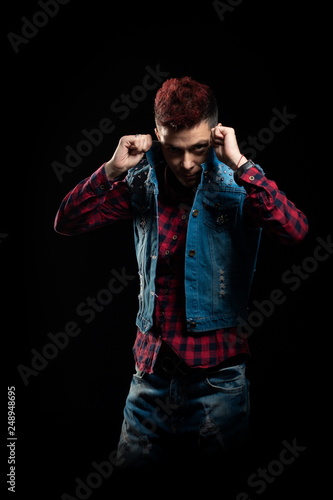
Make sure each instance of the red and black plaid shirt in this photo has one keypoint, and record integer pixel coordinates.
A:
(96, 201)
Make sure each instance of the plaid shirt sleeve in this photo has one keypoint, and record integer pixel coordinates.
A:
(268, 207)
(94, 202)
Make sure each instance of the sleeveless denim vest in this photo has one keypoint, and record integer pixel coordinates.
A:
(221, 249)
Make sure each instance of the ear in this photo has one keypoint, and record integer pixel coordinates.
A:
(157, 134)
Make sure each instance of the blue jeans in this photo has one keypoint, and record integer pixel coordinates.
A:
(169, 418)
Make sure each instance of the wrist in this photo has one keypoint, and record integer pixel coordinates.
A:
(243, 167)
(242, 160)
(112, 172)
(239, 161)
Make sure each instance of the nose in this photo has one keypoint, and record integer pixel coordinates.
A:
(187, 161)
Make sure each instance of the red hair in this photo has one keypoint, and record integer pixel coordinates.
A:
(183, 103)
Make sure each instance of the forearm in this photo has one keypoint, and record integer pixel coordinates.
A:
(94, 202)
(268, 207)
(112, 173)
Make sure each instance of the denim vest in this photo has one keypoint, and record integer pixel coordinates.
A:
(221, 250)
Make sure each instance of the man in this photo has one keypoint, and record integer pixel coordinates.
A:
(198, 207)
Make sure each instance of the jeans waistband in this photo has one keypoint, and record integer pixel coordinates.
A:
(170, 363)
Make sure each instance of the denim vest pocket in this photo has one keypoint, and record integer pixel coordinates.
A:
(220, 216)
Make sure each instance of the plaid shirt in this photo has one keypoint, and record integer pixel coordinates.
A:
(96, 201)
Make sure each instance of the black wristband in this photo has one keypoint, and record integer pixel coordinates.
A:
(243, 168)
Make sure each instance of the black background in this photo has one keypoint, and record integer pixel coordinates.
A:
(262, 55)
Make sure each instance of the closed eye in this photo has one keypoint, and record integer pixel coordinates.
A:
(200, 148)
(173, 149)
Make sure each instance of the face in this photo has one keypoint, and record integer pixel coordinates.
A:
(185, 150)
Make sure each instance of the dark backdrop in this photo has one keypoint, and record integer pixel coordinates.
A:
(68, 75)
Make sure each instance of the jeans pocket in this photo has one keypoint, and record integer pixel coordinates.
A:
(229, 380)
(139, 373)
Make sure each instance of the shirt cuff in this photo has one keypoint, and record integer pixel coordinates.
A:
(100, 183)
(254, 176)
